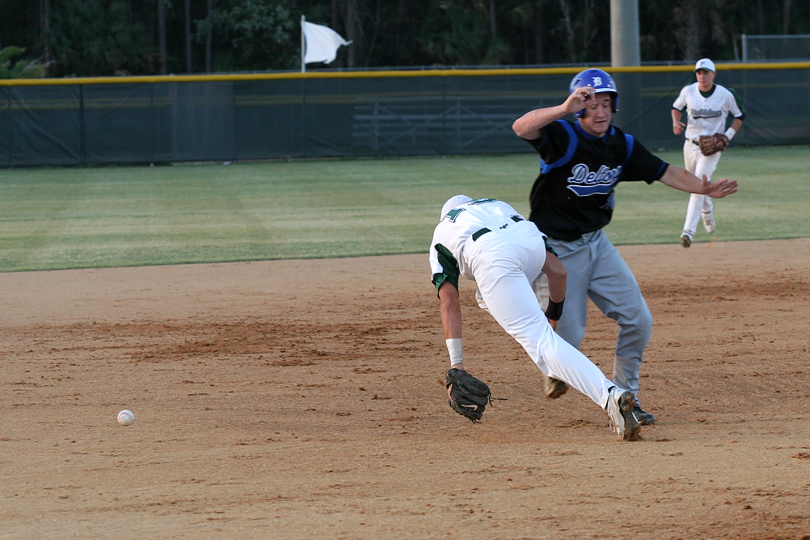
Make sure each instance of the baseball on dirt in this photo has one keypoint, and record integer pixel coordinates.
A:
(125, 417)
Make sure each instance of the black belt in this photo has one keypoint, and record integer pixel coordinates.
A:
(481, 232)
(693, 141)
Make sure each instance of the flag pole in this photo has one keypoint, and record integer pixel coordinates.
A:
(303, 44)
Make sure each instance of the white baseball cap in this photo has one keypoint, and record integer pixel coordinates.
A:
(705, 63)
(452, 202)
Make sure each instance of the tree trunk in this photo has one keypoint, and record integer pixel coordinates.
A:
(539, 34)
(786, 23)
(209, 31)
(693, 15)
(188, 35)
(351, 32)
(45, 13)
(334, 24)
(569, 29)
(334, 16)
(402, 34)
(493, 22)
(162, 36)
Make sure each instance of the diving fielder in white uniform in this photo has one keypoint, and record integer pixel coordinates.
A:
(707, 105)
(487, 241)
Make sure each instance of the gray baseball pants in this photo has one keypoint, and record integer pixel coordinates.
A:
(597, 271)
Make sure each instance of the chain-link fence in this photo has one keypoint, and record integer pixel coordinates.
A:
(776, 48)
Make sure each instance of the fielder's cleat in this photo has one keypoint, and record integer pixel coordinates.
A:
(620, 410)
(686, 240)
(644, 418)
(708, 222)
(555, 387)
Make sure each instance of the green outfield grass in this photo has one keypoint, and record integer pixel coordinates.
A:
(194, 213)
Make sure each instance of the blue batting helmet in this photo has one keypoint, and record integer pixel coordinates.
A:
(600, 81)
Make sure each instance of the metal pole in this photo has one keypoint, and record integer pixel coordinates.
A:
(303, 43)
(625, 48)
(745, 48)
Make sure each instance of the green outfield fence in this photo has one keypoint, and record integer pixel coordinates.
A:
(126, 120)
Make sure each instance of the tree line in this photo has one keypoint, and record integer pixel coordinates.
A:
(65, 38)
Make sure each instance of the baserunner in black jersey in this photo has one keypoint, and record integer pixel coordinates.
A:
(573, 199)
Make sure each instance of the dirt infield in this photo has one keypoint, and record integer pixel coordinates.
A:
(304, 399)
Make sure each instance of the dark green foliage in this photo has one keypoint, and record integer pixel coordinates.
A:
(455, 32)
(255, 35)
(102, 37)
(14, 66)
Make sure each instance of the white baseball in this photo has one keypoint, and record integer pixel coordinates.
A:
(125, 417)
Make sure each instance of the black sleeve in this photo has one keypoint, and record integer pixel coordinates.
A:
(553, 141)
(643, 165)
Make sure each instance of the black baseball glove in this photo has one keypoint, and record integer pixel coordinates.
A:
(711, 144)
(468, 396)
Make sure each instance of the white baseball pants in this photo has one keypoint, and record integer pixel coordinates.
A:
(504, 264)
(698, 164)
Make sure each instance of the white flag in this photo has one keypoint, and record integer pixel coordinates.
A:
(322, 43)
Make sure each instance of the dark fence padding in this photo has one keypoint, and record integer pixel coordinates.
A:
(352, 116)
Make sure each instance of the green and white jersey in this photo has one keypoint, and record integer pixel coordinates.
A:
(450, 237)
(707, 111)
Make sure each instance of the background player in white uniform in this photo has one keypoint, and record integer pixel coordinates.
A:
(487, 241)
(707, 106)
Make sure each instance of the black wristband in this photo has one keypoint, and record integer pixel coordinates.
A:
(555, 309)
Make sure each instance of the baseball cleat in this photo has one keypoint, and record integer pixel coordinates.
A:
(555, 387)
(708, 222)
(644, 418)
(686, 240)
(620, 410)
